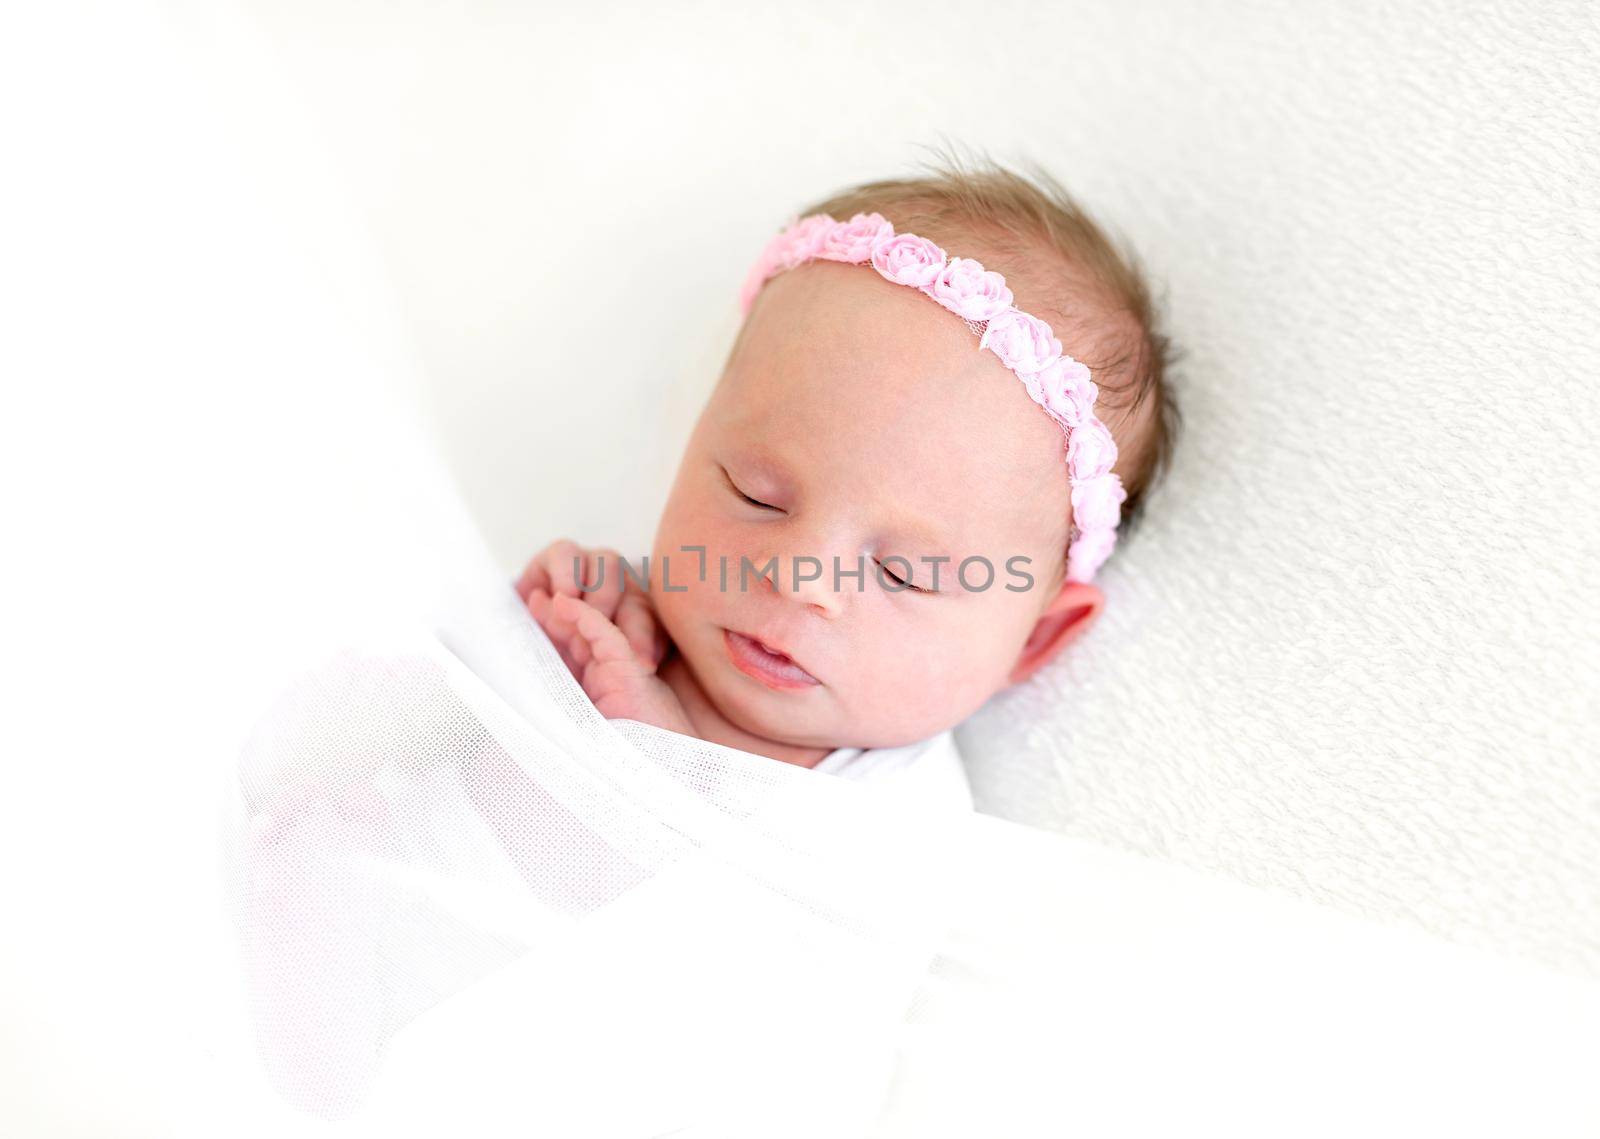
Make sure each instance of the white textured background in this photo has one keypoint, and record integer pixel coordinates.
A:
(1353, 654)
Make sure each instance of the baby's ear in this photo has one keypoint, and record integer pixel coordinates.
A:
(1066, 618)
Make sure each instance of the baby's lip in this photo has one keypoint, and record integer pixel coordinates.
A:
(770, 645)
(783, 671)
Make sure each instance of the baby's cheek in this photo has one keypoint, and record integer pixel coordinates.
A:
(924, 684)
(684, 607)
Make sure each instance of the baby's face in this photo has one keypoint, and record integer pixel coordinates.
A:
(871, 426)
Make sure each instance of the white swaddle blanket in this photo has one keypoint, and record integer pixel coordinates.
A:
(455, 898)
(456, 884)
(930, 771)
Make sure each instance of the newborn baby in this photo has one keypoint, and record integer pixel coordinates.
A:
(881, 519)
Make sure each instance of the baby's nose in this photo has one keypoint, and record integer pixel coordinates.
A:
(811, 581)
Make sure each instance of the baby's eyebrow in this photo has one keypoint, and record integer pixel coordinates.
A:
(763, 460)
(762, 463)
(928, 534)
(923, 532)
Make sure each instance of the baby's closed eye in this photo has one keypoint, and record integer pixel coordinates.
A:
(892, 576)
(748, 498)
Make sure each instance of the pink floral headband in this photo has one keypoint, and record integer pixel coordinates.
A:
(1025, 344)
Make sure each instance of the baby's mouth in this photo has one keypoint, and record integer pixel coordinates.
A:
(765, 664)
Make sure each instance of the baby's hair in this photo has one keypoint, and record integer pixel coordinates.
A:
(1064, 268)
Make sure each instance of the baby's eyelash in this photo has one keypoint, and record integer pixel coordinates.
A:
(735, 488)
(901, 580)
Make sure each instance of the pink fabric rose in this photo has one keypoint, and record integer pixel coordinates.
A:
(802, 240)
(1024, 343)
(796, 245)
(1091, 451)
(1088, 553)
(907, 259)
(969, 290)
(853, 241)
(1097, 503)
(1068, 393)
(1036, 392)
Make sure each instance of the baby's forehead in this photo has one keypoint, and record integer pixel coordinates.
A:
(877, 383)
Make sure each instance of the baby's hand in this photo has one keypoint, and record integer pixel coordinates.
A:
(609, 638)
(619, 599)
(622, 684)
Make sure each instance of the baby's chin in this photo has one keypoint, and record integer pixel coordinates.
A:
(794, 718)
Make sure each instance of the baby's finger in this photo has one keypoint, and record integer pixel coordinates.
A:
(662, 642)
(580, 649)
(539, 606)
(640, 626)
(560, 621)
(609, 648)
(564, 561)
(534, 576)
(591, 628)
(559, 625)
(604, 571)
